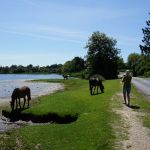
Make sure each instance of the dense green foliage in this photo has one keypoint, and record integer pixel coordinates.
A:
(102, 55)
(133, 61)
(77, 64)
(139, 64)
(122, 66)
(31, 69)
(92, 130)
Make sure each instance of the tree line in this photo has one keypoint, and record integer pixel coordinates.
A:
(55, 68)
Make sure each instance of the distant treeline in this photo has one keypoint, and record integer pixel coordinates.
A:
(55, 68)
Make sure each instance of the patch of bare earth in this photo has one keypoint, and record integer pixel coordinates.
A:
(137, 136)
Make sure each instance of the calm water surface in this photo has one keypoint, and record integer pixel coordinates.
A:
(29, 76)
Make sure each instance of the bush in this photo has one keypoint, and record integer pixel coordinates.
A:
(147, 74)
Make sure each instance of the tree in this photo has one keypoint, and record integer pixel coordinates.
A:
(102, 55)
(78, 64)
(55, 68)
(67, 67)
(133, 61)
(121, 65)
(145, 49)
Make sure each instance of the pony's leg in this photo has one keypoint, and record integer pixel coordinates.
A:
(16, 103)
(102, 89)
(91, 90)
(12, 104)
(28, 102)
(97, 89)
(94, 89)
(29, 98)
(19, 103)
(24, 102)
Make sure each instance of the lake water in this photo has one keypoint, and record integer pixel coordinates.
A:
(29, 76)
(8, 82)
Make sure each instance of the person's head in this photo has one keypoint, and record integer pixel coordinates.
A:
(127, 72)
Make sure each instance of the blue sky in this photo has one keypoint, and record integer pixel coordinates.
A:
(46, 32)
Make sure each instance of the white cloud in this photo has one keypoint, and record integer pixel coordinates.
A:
(47, 32)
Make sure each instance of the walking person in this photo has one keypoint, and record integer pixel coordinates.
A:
(127, 87)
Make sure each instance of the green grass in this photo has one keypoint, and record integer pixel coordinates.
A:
(93, 128)
(144, 104)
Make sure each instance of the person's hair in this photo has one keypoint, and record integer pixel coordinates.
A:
(127, 72)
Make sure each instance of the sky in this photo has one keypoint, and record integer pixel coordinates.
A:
(46, 32)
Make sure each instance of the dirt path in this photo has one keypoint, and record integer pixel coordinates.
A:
(138, 137)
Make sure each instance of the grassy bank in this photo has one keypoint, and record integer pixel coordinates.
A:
(92, 129)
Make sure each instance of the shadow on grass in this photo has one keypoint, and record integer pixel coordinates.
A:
(134, 107)
(97, 93)
(50, 117)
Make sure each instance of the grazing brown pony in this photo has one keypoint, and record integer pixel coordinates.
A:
(95, 83)
(20, 93)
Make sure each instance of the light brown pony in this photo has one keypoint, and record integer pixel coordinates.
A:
(19, 93)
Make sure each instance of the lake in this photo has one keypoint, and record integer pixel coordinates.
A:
(29, 76)
(8, 82)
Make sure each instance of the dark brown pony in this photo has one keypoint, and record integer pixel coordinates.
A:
(19, 93)
(95, 83)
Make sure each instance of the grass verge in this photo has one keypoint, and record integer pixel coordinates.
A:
(143, 103)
